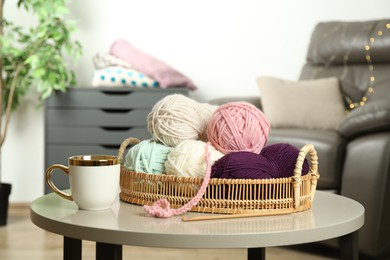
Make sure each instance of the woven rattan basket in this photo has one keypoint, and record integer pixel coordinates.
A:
(229, 196)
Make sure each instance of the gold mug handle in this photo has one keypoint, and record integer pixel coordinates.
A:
(51, 184)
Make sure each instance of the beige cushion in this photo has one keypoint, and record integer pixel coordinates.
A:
(312, 104)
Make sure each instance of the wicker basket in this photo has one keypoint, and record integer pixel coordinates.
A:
(228, 196)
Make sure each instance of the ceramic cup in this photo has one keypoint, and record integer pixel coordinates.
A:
(93, 179)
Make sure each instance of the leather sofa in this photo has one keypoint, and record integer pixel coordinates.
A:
(354, 159)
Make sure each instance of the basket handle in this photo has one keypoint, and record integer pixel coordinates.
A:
(308, 149)
(125, 143)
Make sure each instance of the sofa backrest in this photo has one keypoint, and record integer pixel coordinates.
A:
(358, 53)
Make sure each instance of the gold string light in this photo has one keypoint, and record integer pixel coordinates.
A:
(367, 48)
(371, 78)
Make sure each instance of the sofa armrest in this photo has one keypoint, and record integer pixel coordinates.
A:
(254, 100)
(372, 117)
(366, 179)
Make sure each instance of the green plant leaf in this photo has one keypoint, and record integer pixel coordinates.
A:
(32, 60)
(39, 72)
(46, 93)
(39, 49)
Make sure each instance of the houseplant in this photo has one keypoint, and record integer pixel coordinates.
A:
(34, 57)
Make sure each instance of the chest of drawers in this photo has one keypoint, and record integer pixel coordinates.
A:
(96, 121)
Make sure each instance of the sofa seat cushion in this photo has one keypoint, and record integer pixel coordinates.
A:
(330, 147)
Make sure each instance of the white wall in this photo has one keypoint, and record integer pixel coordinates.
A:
(222, 45)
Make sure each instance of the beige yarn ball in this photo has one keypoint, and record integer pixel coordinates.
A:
(176, 118)
(206, 112)
(188, 159)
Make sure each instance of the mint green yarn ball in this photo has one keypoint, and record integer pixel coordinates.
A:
(148, 156)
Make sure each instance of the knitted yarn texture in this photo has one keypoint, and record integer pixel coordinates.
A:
(244, 165)
(238, 126)
(188, 159)
(148, 156)
(284, 156)
(176, 118)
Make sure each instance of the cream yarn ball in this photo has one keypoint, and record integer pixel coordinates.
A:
(176, 118)
(188, 159)
(206, 112)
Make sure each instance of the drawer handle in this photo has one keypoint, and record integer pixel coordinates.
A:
(116, 128)
(109, 110)
(116, 93)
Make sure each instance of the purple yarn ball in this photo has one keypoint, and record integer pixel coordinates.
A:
(284, 156)
(244, 165)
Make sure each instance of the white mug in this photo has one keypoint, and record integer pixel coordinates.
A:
(93, 179)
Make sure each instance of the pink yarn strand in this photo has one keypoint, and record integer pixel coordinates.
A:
(161, 208)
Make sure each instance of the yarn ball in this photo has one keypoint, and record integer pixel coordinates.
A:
(244, 165)
(176, 118)
(238, 126)
(206, 111)
(284, 156)
(148, 156)
(188, 159)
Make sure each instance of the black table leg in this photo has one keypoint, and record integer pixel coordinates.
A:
(72, 249)
(349, 248)
(256, 253)
(108, 251)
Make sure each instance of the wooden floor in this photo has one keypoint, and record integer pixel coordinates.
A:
(20, 239)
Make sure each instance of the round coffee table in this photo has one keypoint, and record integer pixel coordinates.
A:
(125, 224)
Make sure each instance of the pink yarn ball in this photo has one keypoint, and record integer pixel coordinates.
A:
(238, 126)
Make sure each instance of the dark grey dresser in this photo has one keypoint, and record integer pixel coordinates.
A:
(95, 121)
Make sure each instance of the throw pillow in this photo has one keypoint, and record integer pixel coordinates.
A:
(312, 104)
(118, 77)
(154, 68)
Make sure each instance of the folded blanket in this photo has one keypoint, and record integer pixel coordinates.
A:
(116, 76)
(104, 60)
(145, 63)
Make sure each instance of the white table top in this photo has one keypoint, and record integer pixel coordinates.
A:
(331, 216)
